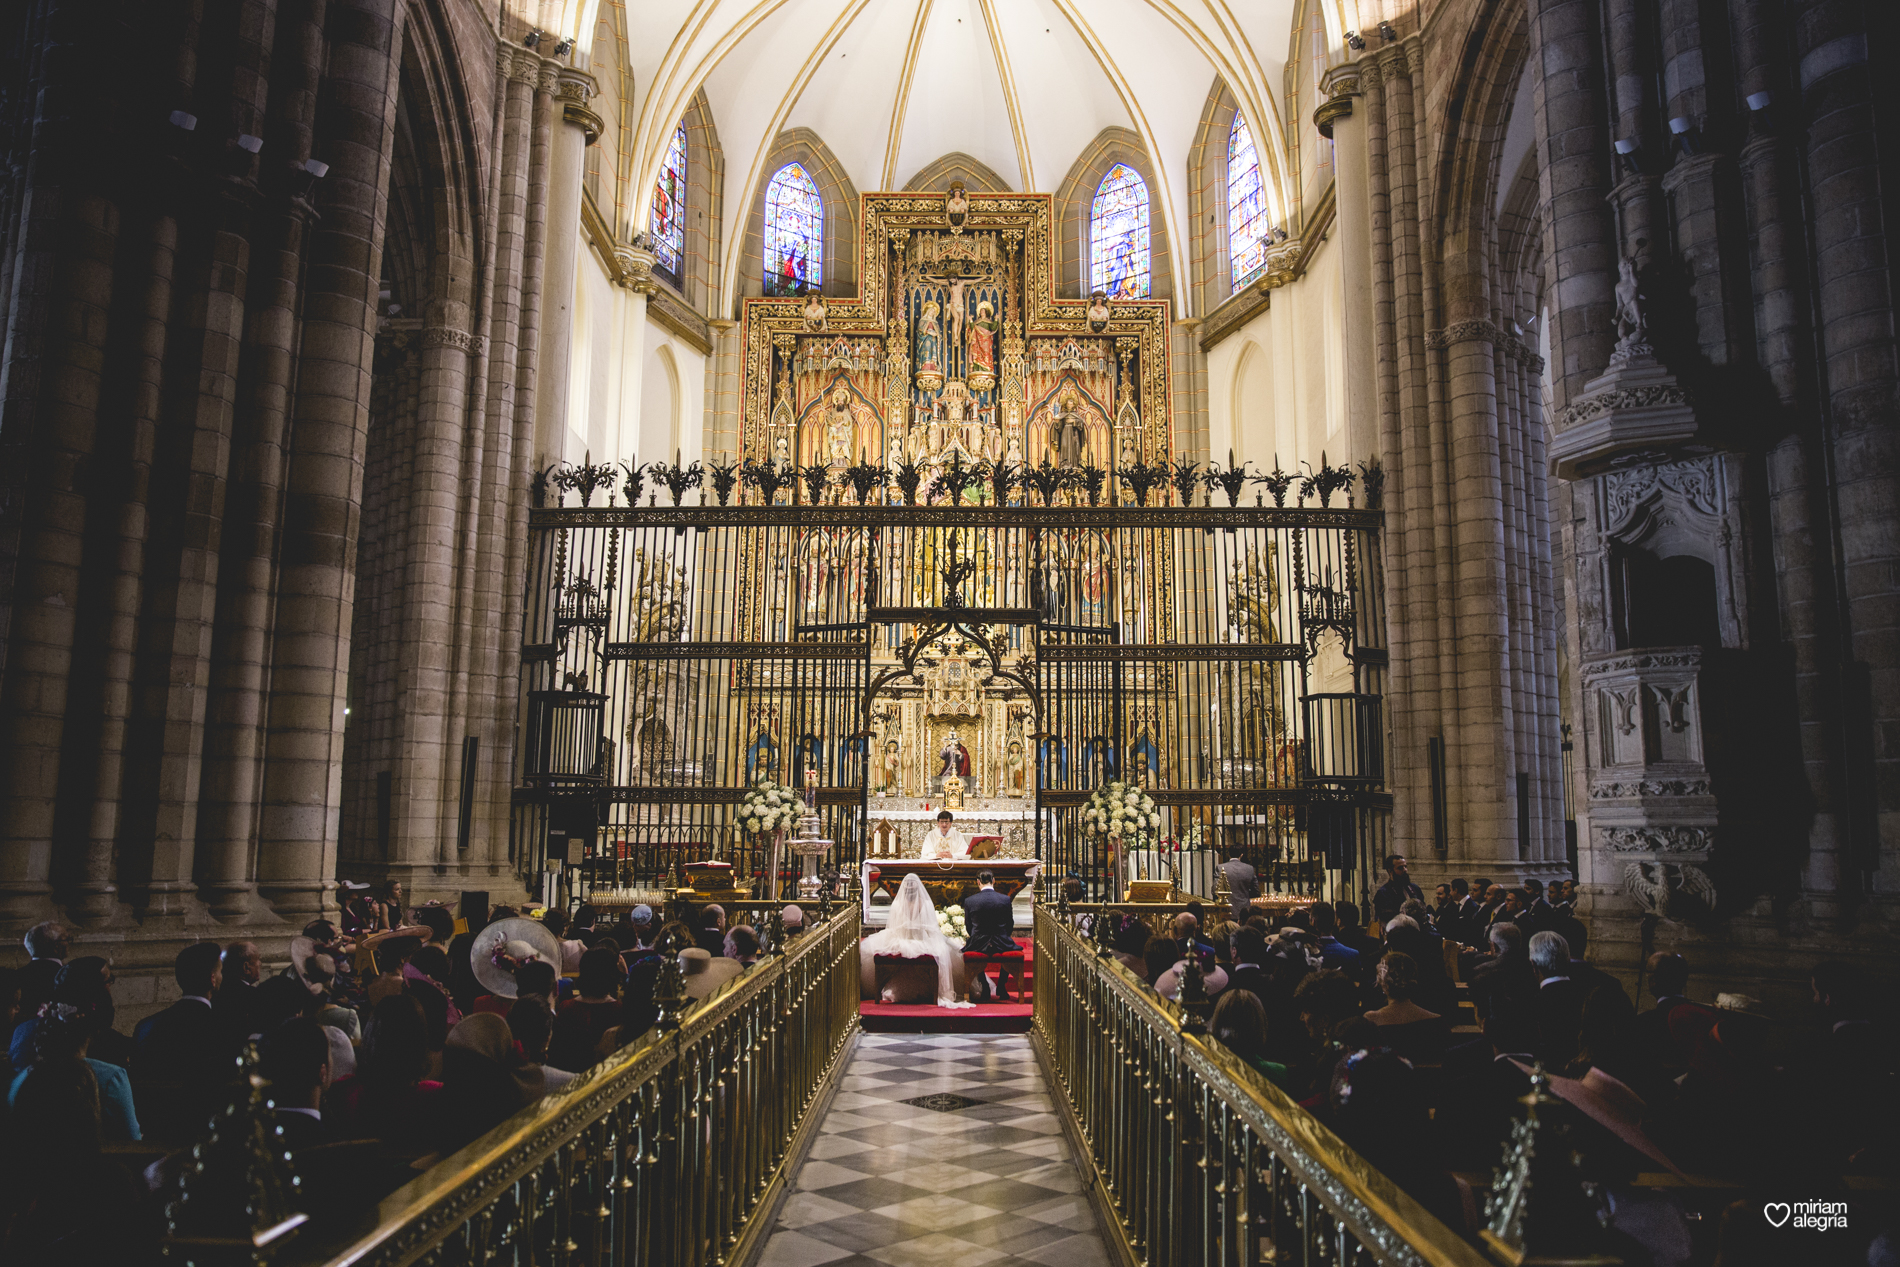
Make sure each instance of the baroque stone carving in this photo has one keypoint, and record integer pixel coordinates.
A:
(1681, 839)
(1462, 331)
(1596, 406)
(1642, 660)
(1649, 787)
(1696, 483)
(1670, 890)
(447, 337)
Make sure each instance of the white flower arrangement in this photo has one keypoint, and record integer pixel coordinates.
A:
(950, 923)
(1121, 809)
(769, 807)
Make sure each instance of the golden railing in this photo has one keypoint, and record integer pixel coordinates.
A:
(662, 1154)
(1199, 1158)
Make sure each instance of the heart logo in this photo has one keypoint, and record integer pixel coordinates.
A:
(1776, 1212)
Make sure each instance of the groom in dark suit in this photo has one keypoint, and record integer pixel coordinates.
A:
(990, 919)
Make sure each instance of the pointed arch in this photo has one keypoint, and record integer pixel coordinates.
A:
(838, 198)
(1075, 206)
(977, 176)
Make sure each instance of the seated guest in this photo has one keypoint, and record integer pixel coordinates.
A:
(46, 954)
(532, 1024)
(1668, 977)
(1130, 942)
(1250, 956)
(294, 1059)
(180, 1058)
(641, 926)
(705, 973)
(1352, 935)
(484, 1083)
(62, 1201)
(1504, 980)
(64, 1037)
(742, 945)
(712, 930)
(435, 917)
(1327, 1000)
(1558, 1010)
(389, 1097)
(792, 919)
(236, 1002)
(1186, 930)
(583, 1020)
(534, 979)
(87, 983)
(1435, 991)
(638, 1012)
(1240, 1023)
(1377, 1107)
(1168, 984)
(428, 969)
(1332, 952)
(1483, 1082)
(555, 920)
(1407, 1028)
(1157, 956)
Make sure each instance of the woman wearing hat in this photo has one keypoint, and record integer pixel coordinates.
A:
(583, 1021)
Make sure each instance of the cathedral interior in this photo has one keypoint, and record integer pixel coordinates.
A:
(475, 444)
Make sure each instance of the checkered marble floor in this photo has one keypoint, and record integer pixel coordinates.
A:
(939, 1150)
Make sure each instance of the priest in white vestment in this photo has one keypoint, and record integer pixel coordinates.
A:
(944, 840)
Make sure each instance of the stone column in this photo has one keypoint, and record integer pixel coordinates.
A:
(1335, 117)
(577, 128)
(303, 778)
(636, 266)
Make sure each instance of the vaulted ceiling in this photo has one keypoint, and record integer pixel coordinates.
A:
(892, 85)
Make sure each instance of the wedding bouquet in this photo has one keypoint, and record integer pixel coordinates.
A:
(950, 923)
(768, 807)
(1121, 809)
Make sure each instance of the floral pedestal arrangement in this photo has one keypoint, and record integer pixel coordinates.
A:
(1124, 816)
(769, 809)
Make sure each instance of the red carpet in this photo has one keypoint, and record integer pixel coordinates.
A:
(984, 1018)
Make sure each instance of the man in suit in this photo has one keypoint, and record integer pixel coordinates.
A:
(1397, 888)
(1250, 973)
(1502, 983)
(712, 930)
(236, 1003)
(295, 1060)
(1558, 1011)
(179, 1064)
(1668, 976)
(990, 919)
(1333, 953)
(1243, 883)
(1537, 914)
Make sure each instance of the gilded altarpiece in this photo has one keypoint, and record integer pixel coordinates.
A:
(956, 352)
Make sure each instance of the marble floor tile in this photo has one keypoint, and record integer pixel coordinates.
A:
(991, 1184)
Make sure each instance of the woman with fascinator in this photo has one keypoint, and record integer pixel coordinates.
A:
(912, 933)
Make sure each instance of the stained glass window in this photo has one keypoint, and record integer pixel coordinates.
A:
(669, 206)
(794, 232)
(1247, 229)
(1118, 235)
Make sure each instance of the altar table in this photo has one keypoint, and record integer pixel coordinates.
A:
(948, 881)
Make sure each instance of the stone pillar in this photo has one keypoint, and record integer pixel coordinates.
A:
(1335, 117)
(636, 266)
(302, 792)
(576, 129)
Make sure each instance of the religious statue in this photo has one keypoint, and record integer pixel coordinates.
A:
(929, 349)
(761, 758)
(811, 758)
(782, 453)
(1144, 773)
(839, 432)
(956, 205)
(894, 451)
(1098, 311)
(1068, 433)
(1126, 458)
(815, 313)
(983, 347)
(1015, 770)
(1630, 326)
(958, 302)
(956, 758)
(892, 771)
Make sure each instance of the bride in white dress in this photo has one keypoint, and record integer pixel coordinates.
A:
(912, 931)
